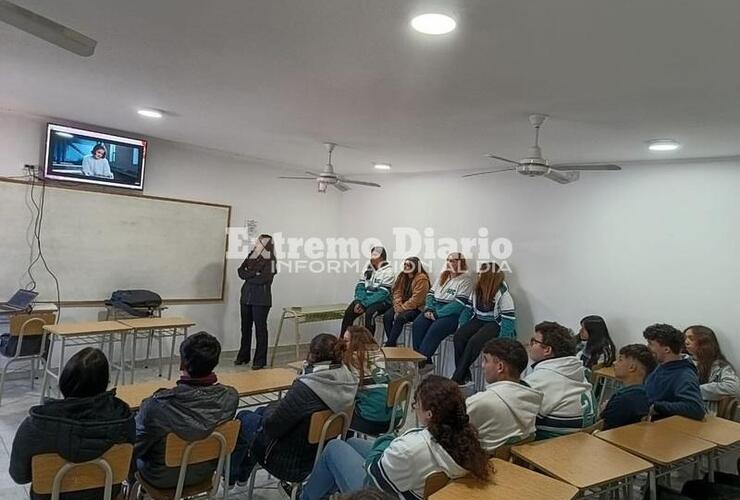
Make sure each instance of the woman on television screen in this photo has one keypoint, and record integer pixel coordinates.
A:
(96, 164)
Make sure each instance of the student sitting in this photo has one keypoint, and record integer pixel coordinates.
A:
(444, 303)
(568, 403)
(276, 436)
(506, 411)
(366, 360)
(372, 292)
(597, 347)
(489, 313)
(80, 427)
(409, 293)
(630, 403)
(673, 387)
(716, 375)
(192, 410)
(445, 442)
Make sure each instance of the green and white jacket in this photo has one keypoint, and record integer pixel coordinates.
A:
(376, 288)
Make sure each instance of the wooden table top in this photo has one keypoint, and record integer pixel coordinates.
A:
(606, 372)
(511, 482)
(166, 322)
(295, 365)
(655, 443)
(246, 383)
(402, 354)
(716, 430)
(87, 328)
(606, 462)
(319, 309)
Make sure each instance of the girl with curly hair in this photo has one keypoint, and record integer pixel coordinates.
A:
(446, 442)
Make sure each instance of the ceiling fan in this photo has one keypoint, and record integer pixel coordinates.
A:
(46, 29)
(329, 178)
(535, 165)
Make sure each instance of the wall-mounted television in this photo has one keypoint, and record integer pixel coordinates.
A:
(78, 155)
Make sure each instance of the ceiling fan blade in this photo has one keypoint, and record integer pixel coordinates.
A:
(594, 167)
(494, 157)
(339, 186)
(299, 178)
(562, 177)
(313, 173)
(46, 29)
(361, 183)
(489, 172)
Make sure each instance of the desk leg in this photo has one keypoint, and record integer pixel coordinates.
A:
(652, 484)
(161, 358)
(172, 353)
(133, 354)
(122, 369)
(277, 339)
(710, 466)
(45, 379)
(297, 338)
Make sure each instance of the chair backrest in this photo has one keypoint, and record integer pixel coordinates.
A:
(399, 391)
(435, 482)
(327, 425)
(50, 472)
(726, 407)
(503, 452)
(591, 429)
(30, 324)
(203, 450)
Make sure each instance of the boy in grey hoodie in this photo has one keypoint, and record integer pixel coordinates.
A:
(568, 402)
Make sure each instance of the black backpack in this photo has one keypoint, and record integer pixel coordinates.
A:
(140, 303)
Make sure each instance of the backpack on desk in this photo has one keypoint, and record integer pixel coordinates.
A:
(139, 303)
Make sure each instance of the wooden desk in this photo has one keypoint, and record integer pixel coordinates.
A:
(306, 314)
(75, 334)
(402, 354)
(510, 482)
(246, 383)
(608, 467)
(608, 380)
(156, 328)
(661, 445)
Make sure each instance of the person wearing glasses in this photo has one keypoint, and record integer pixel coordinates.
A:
(568, 404)
(409, 293)
(444, 304)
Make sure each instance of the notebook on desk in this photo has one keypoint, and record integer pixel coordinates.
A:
(21, 301)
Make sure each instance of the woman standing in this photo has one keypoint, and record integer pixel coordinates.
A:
(409, 293)
(257, 271)
(489, 314)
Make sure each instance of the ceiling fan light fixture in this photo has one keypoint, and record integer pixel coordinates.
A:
(322, 186)
(433, 23)
(150, 113)
(382, 166)
(663, 145)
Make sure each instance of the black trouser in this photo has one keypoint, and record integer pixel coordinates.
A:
(394, 325)
(258, 316)
(370, 313)
(469, 340)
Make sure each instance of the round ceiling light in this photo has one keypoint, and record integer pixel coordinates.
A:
(382, 166)
(433, 24)
(663, 145)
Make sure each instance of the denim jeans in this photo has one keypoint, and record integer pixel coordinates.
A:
(242, 462)
(340, 468)
(394, 325)
(429, 334)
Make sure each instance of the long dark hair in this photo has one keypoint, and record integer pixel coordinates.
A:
(707, 351)
(404, 280)
(265, 258)
(450, 425)
(354, 352)
(86, 374)
(383, 259)
(599, 342)
(323, 348)
(96, 148)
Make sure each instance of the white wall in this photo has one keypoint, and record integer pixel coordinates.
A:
(647, 244)
(253, 191)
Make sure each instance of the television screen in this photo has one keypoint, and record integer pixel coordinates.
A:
(78, 155)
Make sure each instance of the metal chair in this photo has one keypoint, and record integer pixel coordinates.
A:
(726, 407)
(23, 326)
(50, 472)
(180, 453)
(399, 400)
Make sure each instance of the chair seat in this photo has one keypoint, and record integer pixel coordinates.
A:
(168, 494)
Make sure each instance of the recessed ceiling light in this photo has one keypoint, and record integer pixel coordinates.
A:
(64, 134)
(150, 113)
(433, 24)
(663, 145)
(382, 166)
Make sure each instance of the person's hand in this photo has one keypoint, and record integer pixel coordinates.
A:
(395, 315)
(429, 315)
(359, 309)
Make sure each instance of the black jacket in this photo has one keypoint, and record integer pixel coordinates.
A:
(78, 429)
(190, 411)
(281, 447)
(257, 275)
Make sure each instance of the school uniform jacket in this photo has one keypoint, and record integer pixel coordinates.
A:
(376, 288)
(722, 382)
(501, 310)
(449, 299)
